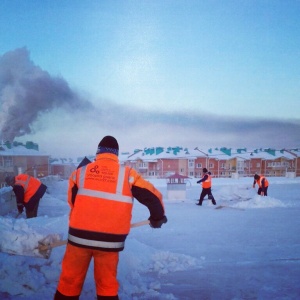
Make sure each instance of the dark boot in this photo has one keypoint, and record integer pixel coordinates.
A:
(211, 197)
(107, 297)
(60, 296)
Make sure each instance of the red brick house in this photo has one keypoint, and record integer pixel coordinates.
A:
(16, 158)
(221, 162)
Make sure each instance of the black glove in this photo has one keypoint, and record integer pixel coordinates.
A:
(198, 181)
(157, 223)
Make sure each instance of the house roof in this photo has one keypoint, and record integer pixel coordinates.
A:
(20, 149)
(177, 176)
(155, 153)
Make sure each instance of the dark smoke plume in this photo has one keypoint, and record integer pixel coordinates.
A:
(26, 92)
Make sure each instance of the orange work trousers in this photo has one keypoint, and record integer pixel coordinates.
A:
(75, 265)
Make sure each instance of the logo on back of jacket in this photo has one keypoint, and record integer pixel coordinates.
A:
(102, 174)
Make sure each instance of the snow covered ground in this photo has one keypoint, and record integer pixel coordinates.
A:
(249, 249)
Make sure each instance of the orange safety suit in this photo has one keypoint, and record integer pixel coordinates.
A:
(100, 196)
(28, 191)
(263, 185)
(29, 184)
(206, 188)
(259, 181)
(207, 183)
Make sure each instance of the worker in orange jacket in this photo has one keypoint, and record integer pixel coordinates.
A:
(100, 196)
(29, 191)
(262, 183)
(206, 187)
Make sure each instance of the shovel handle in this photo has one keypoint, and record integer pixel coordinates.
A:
(141, 223)
(53, 245)
(64, 242)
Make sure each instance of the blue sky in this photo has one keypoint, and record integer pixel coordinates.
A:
(231, 63)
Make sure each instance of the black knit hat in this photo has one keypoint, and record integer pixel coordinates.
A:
(108, 145)
(204, 170)
(10, 179)
(256, 177)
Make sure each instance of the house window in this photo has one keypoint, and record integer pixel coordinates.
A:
(191, 174)
(211, 165)
(240, 165)
(199, 166)
(257, 165)
(7, 161)
(191, 163)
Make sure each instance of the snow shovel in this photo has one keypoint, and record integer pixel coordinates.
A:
(225, 206)
(48, 243)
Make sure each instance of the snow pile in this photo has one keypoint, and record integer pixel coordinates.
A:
(5, 189)
(17, 237)
(141, 268)
(260, 202)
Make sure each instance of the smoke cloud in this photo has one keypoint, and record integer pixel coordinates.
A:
(27, 91)
(44, 107)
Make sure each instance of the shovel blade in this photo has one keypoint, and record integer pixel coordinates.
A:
(24, 250)
(46, 243)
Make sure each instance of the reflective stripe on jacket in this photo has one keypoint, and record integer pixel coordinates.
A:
(207, 183)
(29, 184)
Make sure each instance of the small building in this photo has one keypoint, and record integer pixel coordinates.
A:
(176, 187)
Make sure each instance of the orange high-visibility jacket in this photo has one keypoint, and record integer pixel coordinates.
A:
(29, 184)
(101, 195)
(207, 183)
(259, 182)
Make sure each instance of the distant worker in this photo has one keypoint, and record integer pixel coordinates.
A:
(262, 183)
(100, 196)
(29, 191)
(206, 187)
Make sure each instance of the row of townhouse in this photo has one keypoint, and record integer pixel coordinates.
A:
(221, 162)
(157, 162)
